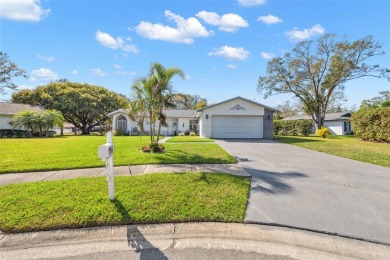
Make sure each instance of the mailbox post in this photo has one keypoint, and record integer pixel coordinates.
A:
(106, 153)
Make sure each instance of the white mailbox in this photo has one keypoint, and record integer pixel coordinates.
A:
(105, 151)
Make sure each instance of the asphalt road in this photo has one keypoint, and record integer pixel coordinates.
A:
(297, 187)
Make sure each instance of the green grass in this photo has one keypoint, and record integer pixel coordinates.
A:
(152, 198)
(72, 152)
(182, 139)
(344, 146)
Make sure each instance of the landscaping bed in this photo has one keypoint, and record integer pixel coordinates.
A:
(72, 152)
(152, 198)
(343, 146)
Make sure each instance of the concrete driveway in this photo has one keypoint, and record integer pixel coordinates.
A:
(296, 187)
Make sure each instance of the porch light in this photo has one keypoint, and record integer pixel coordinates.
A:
(207, 116)
(269, 117)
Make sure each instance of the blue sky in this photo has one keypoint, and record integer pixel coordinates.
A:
(222, 46)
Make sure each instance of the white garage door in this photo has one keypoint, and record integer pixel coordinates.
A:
(237, 127)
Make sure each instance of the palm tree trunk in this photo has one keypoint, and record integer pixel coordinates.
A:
(150, 126)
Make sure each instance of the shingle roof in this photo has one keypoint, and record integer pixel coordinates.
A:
(168, 112)
(328, 116)
(238, 97)
(14, 108)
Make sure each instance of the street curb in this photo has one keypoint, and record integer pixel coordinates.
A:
(268, 240)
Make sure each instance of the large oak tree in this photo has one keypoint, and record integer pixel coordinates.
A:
(8, 70)
(315, 72)
(81, 104)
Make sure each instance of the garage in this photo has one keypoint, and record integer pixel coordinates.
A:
(228, 126)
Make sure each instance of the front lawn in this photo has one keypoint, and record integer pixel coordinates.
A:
(344, 146)
(151, 198)
(72, 152)
(183, 139)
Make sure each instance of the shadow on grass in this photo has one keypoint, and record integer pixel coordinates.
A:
(179, 157)
(135, 238)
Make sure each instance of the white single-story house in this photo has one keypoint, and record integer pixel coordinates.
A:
(338, 123)
(8, 110)
(233, 118)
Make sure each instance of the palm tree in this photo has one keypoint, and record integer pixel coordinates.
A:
(145, 98)
(37, 120)
(25, 119)
(54, 118)
(163, 90)
(137, 113)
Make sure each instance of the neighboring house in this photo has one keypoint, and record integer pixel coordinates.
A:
(234, 118)
(67, 129)
(8, 110)
(338, 123)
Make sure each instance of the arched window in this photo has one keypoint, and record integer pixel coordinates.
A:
(121, 123)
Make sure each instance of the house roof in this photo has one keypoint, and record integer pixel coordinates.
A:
(14, 108)
(238, 97)
(328, 116)
(168, 112)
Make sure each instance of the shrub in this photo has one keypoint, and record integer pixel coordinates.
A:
(50, 133)
(154, 148)
(372, 124)
(293, 127)
(181, 134)
(193, 134)
(14, 133)
(323, 132)
(119, 132)
(186, 132)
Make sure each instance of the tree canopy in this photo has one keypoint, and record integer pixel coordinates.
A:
(315, 72)
(81, 104)
(382, 100)
(8, 70)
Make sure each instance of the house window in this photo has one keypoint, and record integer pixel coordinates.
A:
(347, 126)
(193, 125)
(121, 123)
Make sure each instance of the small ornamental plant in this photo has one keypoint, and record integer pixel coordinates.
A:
(153, 148)
(323, 132)
(193, 134)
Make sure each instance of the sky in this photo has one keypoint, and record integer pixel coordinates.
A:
(223, 46)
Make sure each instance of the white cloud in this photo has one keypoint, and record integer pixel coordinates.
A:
(74, 72)
(32, 79)
(108, 41)
(296, 35)
(230, 53)
(187, 76)
(267, 55)
(117, 66)
(44, 74)
(24, 87)
(46, 58)
(227, 22)
(125, 73)
(99, 72)
(249, 3)
(185, 32)
(23, 10)
(231, 66)
(269, 19)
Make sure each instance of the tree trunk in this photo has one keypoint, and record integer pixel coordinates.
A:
(62, 131)
(150, 127)
(159, 129)
(85, 129)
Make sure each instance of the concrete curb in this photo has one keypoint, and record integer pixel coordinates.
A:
(243, 237)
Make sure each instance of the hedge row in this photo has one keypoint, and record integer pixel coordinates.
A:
(9, 133)
(293, 127)
(16, 133)
(372, 124)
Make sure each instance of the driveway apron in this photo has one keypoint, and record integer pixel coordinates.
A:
(297, 187)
